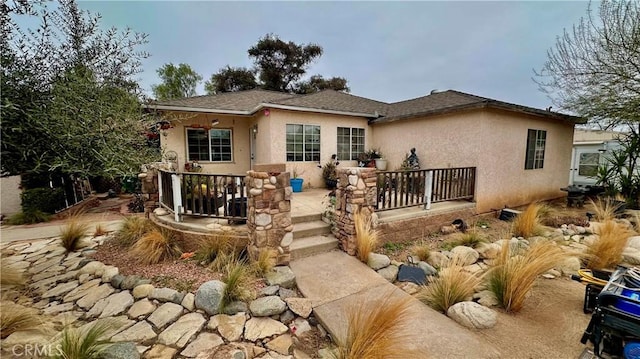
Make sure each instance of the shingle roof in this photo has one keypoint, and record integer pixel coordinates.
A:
(234, 101)
(247, 102)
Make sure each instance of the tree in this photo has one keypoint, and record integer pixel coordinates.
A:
(281, 63)
(594, 70)
(69, 103)
(177, 82)
(318, 83)
(231, 79)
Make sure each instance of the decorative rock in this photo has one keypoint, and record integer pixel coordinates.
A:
(486, 298)
(117, 304)
(125, 350)
(108, 273)
(576, 238)
(57, 308)
(569, 266)
(209, 296)
(467, 255)
(389, 273)
(180, 332)
(130, 282)
(141, 308)
(408, 287)
(301, 326)
(260, 328)
(472, 315)
(631, 256)
(378, 261)
(300, 306)
(81, 291)
(163, 294)
(262, 219)
(139, 332)
(116, 280)
(287, 239)
(236, 307)
(281, 344)
(285, 293)
(267, 306)
(488, 250)
(167, 313)
(437, 259)
(353, 180)
(427, 268)
(287, 317)
(204, 341)
(142, 291)
(634, 242)
(160, 351)
(178, 297)
(270, 290)
(94, 295)
(160, 212)
(93, 268)
(61, 289)
(229, 326)
(282, 276)
(189, 301)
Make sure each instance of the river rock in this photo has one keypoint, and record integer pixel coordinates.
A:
(467, 255)
(267, 306)
(209, 296)
(282, 276)
(377, 261)
(300, 306)
(472, 315)
(260, 328)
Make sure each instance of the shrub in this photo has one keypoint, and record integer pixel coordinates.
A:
(45, 199)
(366, 236)
(239, 280)
(451, 286)
(514, 272)
(212, 245)
(9, 275)
(15, 317)
(83, 344)
(132, 229)
(422, 251)
(155, 246)
(73, 232)
(378, 329)
(527, 224)
(28, 217)
(606, 251)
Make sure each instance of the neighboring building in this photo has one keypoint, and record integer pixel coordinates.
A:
(522, 154)
(590, 148)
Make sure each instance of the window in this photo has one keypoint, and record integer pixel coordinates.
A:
(588, 164)
(303, 143)
(213, 145)
(536, 141)
(350, 143)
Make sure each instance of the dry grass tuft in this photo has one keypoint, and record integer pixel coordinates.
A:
(422, 251)
(379, 329)
(453, 285)
(604, 209)
(211, 246)
(471, 238)
(366, 236)
(78, 344)
(514, 272)
(73, 232)
(15, 317)
(606, 251)
(155, 246)
(9, 275)
(239, 279)
(99, 230)
(265, 262)
(132, 229)
(527, 224)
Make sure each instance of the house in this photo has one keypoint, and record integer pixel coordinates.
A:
(521, 154)
(590, 149)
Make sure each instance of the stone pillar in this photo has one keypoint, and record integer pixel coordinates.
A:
(356, 192)
(269, 215)
(149, 181)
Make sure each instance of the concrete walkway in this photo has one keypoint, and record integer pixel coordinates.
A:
(336, 282)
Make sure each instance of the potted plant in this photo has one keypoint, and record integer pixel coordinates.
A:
(329, 172)
(296, 181)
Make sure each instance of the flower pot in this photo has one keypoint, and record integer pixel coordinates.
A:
(381, 164)
(296, 184)
(331, 183)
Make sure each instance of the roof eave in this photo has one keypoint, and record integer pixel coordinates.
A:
(318, 110)
(197, 109)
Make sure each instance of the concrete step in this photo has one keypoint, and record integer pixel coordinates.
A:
(306, 218)
(310, 229)
(309, 246)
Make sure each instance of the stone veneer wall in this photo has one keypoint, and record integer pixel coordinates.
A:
(356, 192)
(269, 215)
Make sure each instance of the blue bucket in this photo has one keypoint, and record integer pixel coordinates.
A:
(632, 351)
(296, 184)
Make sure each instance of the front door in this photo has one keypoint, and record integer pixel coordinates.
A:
(586, 162)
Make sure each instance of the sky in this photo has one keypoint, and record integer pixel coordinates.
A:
(388, 51)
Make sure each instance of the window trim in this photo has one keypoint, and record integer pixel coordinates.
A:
(304, 125)
(351, 157)
(536, 142)
(208, 132)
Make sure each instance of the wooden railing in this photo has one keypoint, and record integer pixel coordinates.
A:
(401, 189)
(204, 195)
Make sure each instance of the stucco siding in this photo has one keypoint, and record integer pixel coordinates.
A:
(10, 188)
(328, 123)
